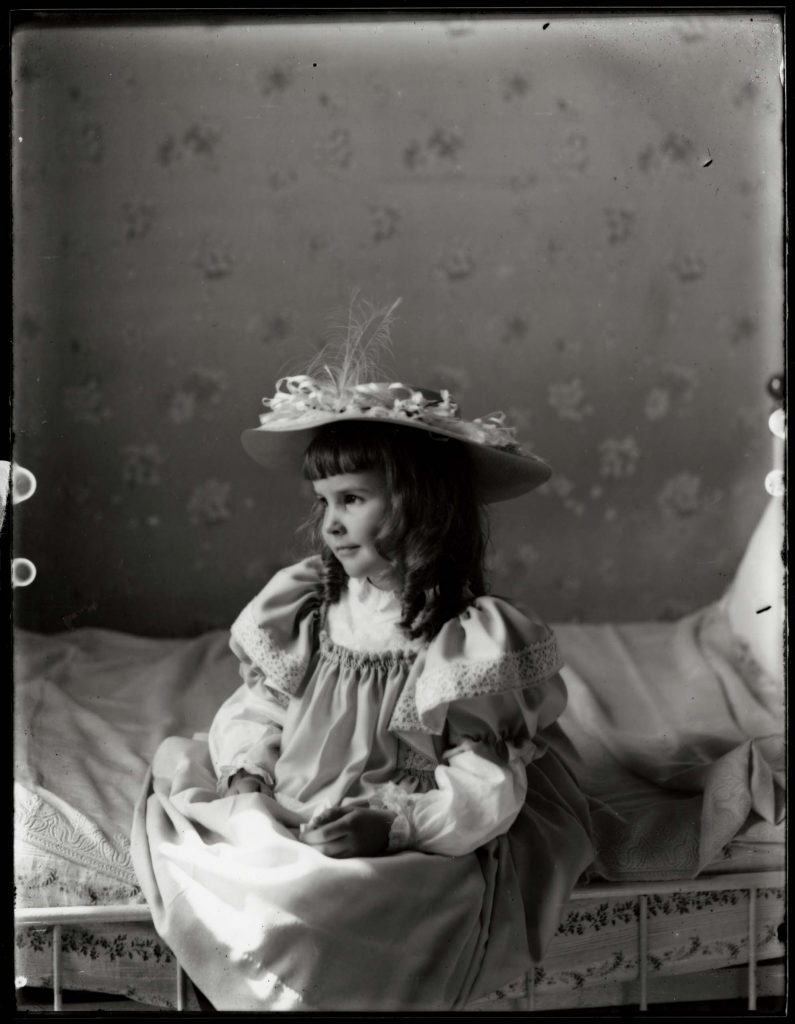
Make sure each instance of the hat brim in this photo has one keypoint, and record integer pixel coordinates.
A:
(501, 475)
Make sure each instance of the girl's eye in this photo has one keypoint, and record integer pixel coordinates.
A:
(352, 498)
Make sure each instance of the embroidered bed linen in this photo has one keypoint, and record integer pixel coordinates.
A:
(92, 705)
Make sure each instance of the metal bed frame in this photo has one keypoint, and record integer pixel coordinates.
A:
(59, 917)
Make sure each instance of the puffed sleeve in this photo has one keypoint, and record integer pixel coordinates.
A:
(275, 638)
(490, 685)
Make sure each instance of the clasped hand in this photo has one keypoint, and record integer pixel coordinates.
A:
(337, 832)
(350, 832)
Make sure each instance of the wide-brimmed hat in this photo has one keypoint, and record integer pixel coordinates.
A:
(303, 404)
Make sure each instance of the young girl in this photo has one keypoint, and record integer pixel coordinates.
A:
(380, 818)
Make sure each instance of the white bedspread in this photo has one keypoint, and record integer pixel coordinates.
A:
(679, 734)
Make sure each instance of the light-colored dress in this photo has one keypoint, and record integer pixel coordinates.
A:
(457, 737)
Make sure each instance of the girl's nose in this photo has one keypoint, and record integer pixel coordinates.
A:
(331, 522)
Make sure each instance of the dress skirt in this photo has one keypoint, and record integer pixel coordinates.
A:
(261, 921)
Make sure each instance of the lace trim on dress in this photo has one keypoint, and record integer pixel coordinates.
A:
(282, 669)
(390, 797)
(405, 717)
(413, 762)
(514, 670)
(276, 695)
(399, 834)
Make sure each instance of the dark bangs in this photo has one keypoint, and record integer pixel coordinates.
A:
(342, 448)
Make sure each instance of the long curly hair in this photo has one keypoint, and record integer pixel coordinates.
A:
(435, 531)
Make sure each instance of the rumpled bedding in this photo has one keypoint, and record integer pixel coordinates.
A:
(678, 736)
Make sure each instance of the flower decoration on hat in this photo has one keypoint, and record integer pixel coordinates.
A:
(344, 383)
(336, 383)
(297, 397)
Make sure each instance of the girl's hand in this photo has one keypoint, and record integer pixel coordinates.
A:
(351, 832)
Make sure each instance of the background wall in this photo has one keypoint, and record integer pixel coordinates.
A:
(584, 219)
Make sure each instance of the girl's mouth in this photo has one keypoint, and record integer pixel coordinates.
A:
(347, 549)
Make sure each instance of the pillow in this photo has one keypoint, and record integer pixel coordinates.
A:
(754, 601)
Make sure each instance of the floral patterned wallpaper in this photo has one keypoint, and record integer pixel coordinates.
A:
(582, 215)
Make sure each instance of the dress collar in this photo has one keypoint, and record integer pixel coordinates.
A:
(363, 592)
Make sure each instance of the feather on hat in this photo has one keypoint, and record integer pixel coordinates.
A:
(338, 386)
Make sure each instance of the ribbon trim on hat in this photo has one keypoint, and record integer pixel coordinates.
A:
(297, 397)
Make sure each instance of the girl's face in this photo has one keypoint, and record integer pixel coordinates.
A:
(354, 506)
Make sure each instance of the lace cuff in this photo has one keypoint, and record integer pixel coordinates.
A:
(229, 771)
(395, 799)
(399, 833)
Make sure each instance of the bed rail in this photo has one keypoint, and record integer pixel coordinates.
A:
(750, 882)
(59, 917)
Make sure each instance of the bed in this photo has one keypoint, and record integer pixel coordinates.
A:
(679, 730)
